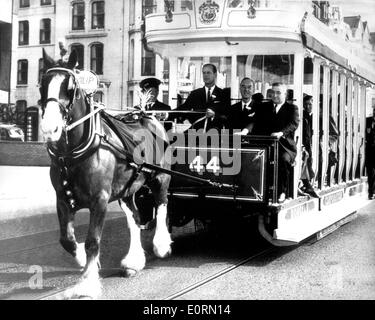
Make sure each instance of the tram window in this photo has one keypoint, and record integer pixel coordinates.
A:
(266, 69)
(308, 71)
(190, 75)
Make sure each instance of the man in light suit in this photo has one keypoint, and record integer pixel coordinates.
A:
(284, 122)
(210, 98)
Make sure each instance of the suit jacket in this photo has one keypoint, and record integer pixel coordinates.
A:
(370, 142)
(307, 132)
(196, 101)
(159, 106)
(287, 121)
(238, 118)
(263, 120)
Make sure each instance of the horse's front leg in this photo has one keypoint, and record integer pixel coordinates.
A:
(135, 259)
(89, 284)
(162, 238)
(67, 236)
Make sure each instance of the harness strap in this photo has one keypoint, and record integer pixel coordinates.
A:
(86, 117)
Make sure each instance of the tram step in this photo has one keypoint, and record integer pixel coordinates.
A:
(321, 222)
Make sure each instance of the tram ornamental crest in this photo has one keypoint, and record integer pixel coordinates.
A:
(208, 11)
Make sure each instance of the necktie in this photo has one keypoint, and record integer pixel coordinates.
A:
(209, 95)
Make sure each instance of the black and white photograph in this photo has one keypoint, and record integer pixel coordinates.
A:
(187, 156)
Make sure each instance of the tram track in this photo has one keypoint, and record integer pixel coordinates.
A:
(113, 272)
(216, 275)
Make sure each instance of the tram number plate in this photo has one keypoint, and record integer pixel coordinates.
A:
(198, 165)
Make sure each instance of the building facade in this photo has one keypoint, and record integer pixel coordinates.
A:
(5, 50)
(109, 39)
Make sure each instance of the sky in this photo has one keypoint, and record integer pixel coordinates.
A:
(364, 8)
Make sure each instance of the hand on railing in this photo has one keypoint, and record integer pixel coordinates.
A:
(244, 132)
(210, 113)
(277, 134)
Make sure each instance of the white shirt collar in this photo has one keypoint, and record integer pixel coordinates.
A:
(278, 106)
(245, 104)
(211, 89)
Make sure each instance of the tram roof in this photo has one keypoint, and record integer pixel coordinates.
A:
(273, 30)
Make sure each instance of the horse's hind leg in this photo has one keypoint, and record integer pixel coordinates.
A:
(162, 238)
(135, 259)
(67, 237)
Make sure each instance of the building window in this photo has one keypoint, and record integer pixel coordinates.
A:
(78, 22)
(98, 15)
(79, 49)
(96, 61)
(148, 62)
(132, 12)
(24, 3)
(45, 2)
(131, 60)
(23, 35)
(148, 7)
(40, 70)
(186, 5)
(130, 98)
(22, 71)
(170, 4)
(45, 31)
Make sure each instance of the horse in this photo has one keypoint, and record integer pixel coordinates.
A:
(89, 170)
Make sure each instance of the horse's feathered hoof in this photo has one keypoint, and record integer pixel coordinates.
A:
(162, 250)
(85, 289)
(162, 246)
(132, 264)
(128, 273)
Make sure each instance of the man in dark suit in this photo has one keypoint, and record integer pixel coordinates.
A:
(284, 122)
(370, 154)
(241, 115)
(210, 98)
(307, 172)
(150, 87)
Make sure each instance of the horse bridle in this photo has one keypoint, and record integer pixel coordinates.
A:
(65, 110)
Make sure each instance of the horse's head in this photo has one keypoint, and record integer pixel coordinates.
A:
(58, 90)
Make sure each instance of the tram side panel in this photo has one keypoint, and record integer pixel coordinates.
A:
(248, 172)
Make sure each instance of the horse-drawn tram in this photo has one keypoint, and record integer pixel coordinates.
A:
(277, 41)
(97, 158)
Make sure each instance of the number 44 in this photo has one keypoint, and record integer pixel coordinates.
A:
(212, 166)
